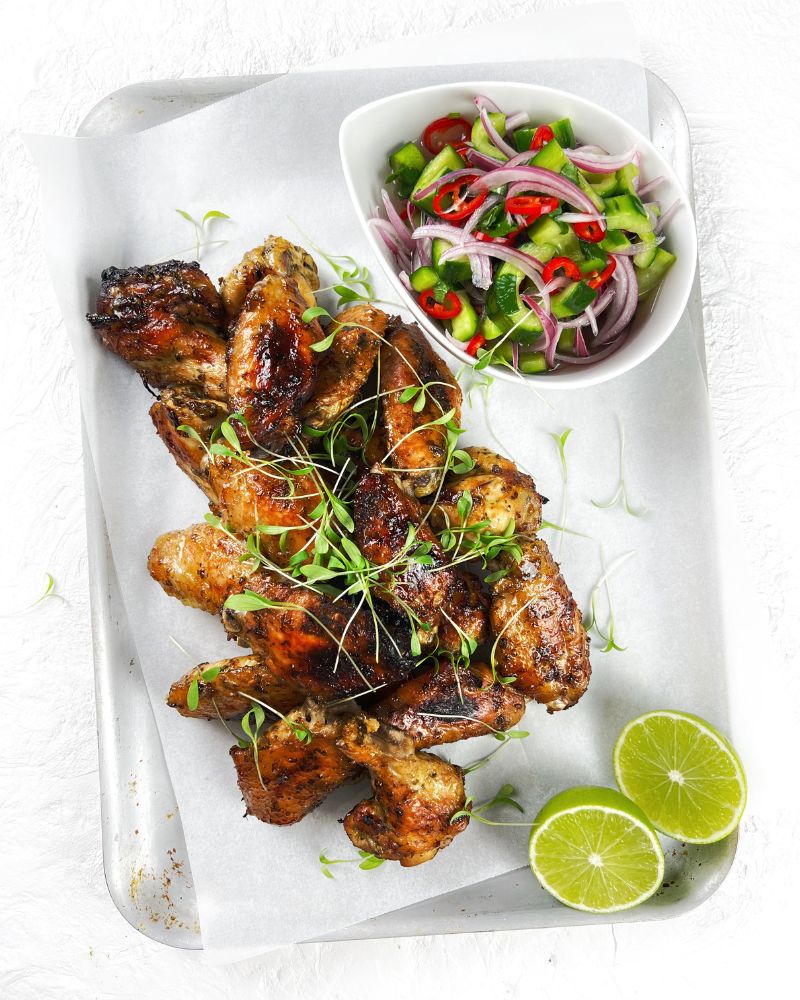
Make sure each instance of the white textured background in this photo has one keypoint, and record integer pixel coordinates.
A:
(734, 65)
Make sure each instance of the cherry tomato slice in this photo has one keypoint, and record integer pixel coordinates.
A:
(445, 131)
(448, 309)
(565, 264)
(475, 345)
(541, 137)
(596, 280)
(591, 232)
(531, 205)
(454, 202)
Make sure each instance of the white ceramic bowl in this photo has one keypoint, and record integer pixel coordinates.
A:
(370, 133)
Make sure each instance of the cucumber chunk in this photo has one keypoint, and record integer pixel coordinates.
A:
(626, 212)
(481, 140)
(551, 157)
(423, 278)
(465, 325)
(455, 271)
(563, 134)
(572, 300)
(406, 164)
(613, 241)
(649, 278)
(444, 161)
(624, 179)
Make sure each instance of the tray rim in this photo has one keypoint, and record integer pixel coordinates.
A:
(201, 92)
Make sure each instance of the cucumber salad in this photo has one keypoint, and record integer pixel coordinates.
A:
(532, 250)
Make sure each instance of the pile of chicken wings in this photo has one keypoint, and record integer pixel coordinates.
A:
(368, 690)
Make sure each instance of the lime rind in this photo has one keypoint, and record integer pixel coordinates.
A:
(655, 768)
(562, 833)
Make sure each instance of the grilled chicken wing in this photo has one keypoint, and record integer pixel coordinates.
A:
(541, 638)
(500, 493)
(465, 611)
(382, 517)
(271, 367)
(200, 566)
(414, 795)
(418, 455)
(439, 707)
(245, 497)
(165, 320)
(276, 255)
(347, 364)
(292, 777)
(175, 408)
(224, 695)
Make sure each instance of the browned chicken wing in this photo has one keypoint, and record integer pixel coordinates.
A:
(414, 795)
(271, 367)
(500, 493)
(541, 638)
(292, 777)
(175, 408)
(224, 695)
(439, 707)
(327, 647)
(382, 517)
(165, 320)
(276, 255)
(419, 455)
(201, 566)
(347, 364)
(465, 611)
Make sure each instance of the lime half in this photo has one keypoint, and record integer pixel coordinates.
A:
(683, 774)
(595, 850)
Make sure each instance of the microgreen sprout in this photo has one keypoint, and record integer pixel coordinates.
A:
(366, 862)
(621, 492)
(48, 594)
(561, 444)
(251, 726)
(202, 228)
(607, 632)
(193, 694)
(503, 797)
(503, 738)
(299, 729)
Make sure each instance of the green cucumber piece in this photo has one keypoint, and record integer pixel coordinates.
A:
(626, 212)
(590, 192)
(550, 157)
(531, 363)
(649, 278)
(444, 161)
(604, 184)
(406, 164)
(624, 179)
(481, 140)
(613, 241)
(572, 300)
(490, 329)
(558, 235)
(423, 278)
(563, 134)
(566, 341)
(646, 257)
(464, 326)
(523, 137)
(455, 271)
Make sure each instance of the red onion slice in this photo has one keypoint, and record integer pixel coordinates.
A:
(580, 217)
(397, 222)
(649, 186)
(517, 118)
(482, 160)
(478, 214)
(454, 175)
(598, 163)
(549, 326)
(571, 359)
(481, 101)
(540, 180)
(600, 304)
(494, 136)
(665, 218)
(580, 344)
(638, 247)
(629, 298)
(527, 264)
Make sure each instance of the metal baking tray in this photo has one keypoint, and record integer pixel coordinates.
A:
(146, 864)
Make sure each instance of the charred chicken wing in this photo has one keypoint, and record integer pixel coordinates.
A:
(175, 408)
(224, 695)
(276, 255)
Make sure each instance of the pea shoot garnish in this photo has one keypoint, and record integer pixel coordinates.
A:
(502, 797)
(202, 228)
(621, 492)
(365, 861)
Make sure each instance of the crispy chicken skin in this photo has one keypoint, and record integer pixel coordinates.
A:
(175, 408)
(415, 706)
(418, 455)
(222, 697)
(301, 643)
(500, 493)
(347, 364)
(271, 367)
(245, 497)
(382, 516)
(296, 776)
(275, 255)
(165, 320)
(541, 638)
(465, 609)
(200, 566)
(414, 795)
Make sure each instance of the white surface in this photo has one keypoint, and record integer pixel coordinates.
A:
(734, 67)
(370, 131)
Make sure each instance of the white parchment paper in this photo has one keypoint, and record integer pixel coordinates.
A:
(269, 158)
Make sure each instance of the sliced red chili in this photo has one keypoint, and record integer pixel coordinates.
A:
(596, 280)
(461, 148)
(444, 131)
(531, 205)
(454, 202)
(592, 232)
(541, 137)
(447, 309)
(565, 264)
(475, 344)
